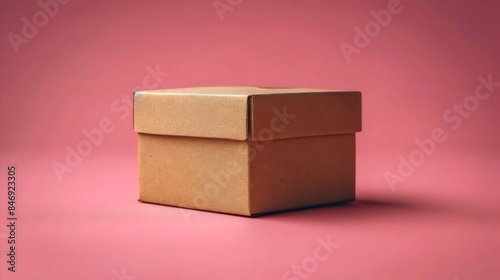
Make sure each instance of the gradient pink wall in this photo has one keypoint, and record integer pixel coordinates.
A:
(442, 222)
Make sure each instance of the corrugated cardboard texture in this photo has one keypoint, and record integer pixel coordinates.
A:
(194, 149)
(211, 116)
(200, 173)
(302, 172)
(227, 112)
(307, 114)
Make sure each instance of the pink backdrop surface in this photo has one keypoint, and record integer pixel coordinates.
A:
(430, 126)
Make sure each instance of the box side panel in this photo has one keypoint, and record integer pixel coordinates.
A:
(195, 115)
(302, 172)
(279, 116)
(199, 173)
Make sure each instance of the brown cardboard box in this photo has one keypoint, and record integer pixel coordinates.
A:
(246, 150)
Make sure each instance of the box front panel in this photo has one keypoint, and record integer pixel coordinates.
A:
(301, 172)
(191, 115)
(199, 173)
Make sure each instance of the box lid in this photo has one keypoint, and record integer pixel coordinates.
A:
(241, 113)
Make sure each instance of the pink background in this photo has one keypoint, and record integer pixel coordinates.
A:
(442, 222)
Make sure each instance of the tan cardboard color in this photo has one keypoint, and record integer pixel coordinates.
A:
(223, 112)
(244, 150)
(311, 114)
(191, 115)
(200, 173)
(301, 172)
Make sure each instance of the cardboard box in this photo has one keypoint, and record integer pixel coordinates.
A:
(246, 150)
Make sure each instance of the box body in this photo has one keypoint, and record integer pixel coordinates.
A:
(246, 151)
